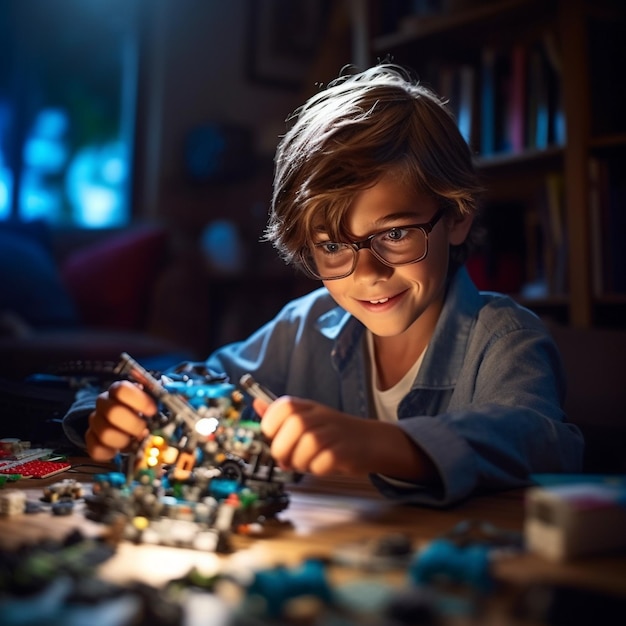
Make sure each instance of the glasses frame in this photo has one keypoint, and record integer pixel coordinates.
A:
(366, 244)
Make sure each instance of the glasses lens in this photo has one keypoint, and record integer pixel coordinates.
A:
(330, 260)
(400, 245)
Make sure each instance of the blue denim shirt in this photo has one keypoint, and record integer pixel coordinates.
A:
(486, 405)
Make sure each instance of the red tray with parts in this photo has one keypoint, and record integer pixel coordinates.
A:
(37, 468)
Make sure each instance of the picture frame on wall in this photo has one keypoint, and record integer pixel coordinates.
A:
(283, 37)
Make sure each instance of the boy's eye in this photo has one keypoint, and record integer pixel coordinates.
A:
(330, 247)
(395, 234)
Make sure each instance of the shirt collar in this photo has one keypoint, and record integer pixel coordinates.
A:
(444, 357)
(446, 352)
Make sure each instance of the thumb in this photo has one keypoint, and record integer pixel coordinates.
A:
(259, 406)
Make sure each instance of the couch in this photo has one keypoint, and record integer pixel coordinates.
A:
(87, 302)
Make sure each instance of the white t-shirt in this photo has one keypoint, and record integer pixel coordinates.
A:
(386, 402)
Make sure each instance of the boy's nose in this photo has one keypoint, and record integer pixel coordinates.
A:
(368, 266)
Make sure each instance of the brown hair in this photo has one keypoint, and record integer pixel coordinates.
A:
(346, 137)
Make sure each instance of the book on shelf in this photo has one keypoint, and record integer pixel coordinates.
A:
(546, 118)
(607, 223)
(516, 110)
(556, 240)
(495, 100)
(546, 240)
(466, 96)
(538, 101)
(535, 283)
(456, 85)
(597, 215)
(520, 97)
(488, 101)
(556, 112)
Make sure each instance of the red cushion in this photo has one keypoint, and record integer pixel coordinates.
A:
(112, 282)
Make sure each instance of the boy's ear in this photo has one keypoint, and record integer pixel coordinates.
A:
(459, 228)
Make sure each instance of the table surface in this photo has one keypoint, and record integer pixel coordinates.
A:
(324, 515)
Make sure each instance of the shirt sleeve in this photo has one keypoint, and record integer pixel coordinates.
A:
(76, 420)
(503, 422)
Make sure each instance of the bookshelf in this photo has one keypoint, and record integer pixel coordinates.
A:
(536, 88)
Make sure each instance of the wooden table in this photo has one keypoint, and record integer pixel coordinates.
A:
(324, 515)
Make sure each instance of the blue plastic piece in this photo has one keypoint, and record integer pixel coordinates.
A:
(199, 393)
(444, 560)
(115, 479)
(221, 488)
(280, 584)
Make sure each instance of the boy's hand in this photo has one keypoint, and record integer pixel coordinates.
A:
(118, 420)
(309, 437)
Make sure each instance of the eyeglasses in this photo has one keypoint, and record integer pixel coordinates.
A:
(400, 245)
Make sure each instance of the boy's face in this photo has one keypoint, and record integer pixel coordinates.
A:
(391, 301)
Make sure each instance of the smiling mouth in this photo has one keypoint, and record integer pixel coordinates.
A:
(383, 303)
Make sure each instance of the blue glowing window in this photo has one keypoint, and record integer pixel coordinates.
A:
(68, 80)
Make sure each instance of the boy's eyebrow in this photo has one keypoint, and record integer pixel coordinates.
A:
(382, 223)
(319, 230)
(403, 216)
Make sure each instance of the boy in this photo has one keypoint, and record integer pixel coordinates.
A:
(398, 368)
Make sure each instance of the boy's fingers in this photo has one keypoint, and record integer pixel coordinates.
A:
(110, 414)
(259, 406)
(114, 439)
(133, 396)
(281, 412)
(97, 450)
(125, 420)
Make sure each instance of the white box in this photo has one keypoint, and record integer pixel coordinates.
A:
(574, 520)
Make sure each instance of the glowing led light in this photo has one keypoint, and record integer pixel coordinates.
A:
(207, 426)
(140, 522)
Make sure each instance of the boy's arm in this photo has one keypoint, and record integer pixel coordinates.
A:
(307, 436)
(504, 421)
(76, 420)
